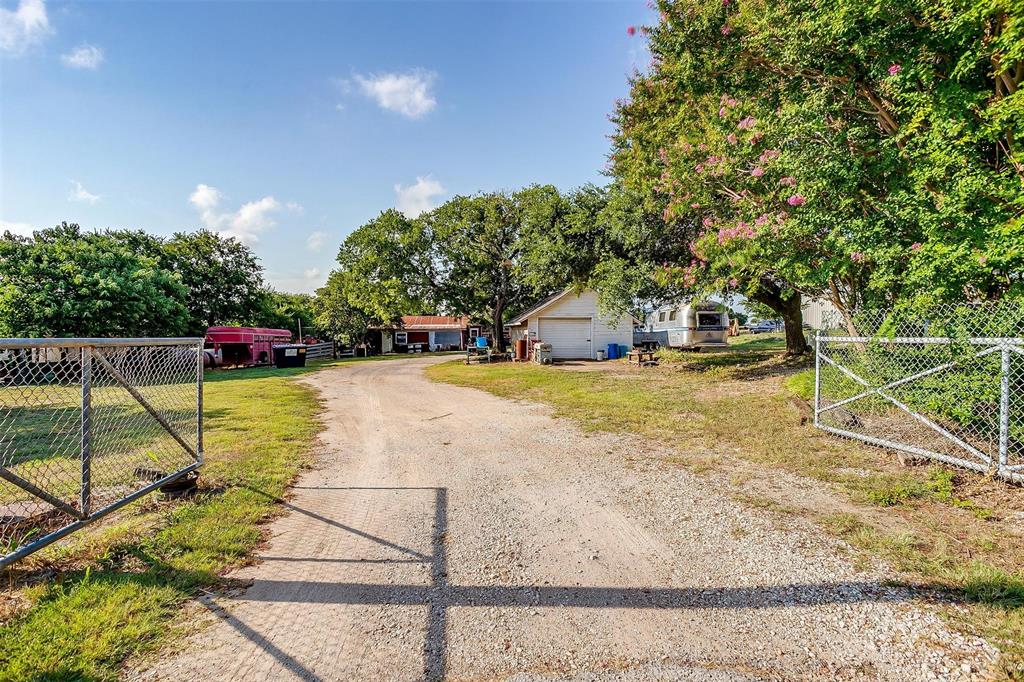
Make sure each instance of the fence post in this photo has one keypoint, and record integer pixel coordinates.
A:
(817, 374)
(85, 493)
(199, 404)
(1004, 409)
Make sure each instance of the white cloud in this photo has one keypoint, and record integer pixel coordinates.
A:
(315, 240)
(418, 197)
(205, 198)
(23, 27)
(246, 224)
(408, 94)
(79, 193)
(311, 273)
(296, 208)
(23, 229)
(83, 57)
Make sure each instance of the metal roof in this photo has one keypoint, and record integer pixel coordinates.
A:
(434, 322)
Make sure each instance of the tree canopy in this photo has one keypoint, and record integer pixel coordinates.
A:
(65, 281)
(863, 152)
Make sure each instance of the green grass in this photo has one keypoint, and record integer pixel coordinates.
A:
(118, 586)
(931, 522)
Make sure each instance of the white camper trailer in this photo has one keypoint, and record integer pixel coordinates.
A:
(689, 326)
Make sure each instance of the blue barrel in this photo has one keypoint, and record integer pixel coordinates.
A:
(623, 349)
(613, 351)
(481, 342)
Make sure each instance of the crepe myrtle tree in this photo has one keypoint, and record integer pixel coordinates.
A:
(863, 153)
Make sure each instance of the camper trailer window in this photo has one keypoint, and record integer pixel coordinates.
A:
(661, 316)
(401, 338)
(708, 319)
(672, 315)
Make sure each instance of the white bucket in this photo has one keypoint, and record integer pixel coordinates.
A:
(600, 355)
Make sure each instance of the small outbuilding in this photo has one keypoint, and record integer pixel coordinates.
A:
(424, 332)
(571, 323)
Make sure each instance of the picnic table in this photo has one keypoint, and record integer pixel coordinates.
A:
(641, 358)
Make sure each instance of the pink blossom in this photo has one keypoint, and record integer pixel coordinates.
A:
(695, 205)
(733, 282)
(894, 69)
(708, 221)
(757, 172)
(747, 123)
(982, 259)
(726, 29)
(768, 155)
(762, 219)
(857, 257)
(732, 138)
(631, 30)
(699, 168)
(916, 246)
(788, 181)
(796, 200)
(722, 112)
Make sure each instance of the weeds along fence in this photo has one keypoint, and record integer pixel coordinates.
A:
(947, 384)
(89, 425)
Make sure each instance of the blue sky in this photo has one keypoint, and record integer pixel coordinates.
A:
(289, 124)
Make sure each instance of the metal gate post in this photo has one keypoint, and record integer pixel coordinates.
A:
(85, 496)
(199, 403)
(817, 374)
(1004, 409)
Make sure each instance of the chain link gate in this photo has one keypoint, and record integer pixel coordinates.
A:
(947, 385)
(89, 425)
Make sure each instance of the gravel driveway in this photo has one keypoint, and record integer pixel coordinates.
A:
(447, 533)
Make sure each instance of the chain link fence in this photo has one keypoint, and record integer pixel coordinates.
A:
(946, 384)
(88, 425)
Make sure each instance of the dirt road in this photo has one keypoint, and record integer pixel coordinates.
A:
(450, 534)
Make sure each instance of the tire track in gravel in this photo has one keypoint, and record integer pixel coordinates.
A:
(447, 533)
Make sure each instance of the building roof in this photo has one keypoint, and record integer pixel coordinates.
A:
(525, 315)
(541, 305)
(434, 322)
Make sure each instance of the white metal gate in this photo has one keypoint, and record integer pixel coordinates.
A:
(89, 425)
(955, 399)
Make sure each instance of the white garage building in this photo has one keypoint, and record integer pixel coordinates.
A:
(571, 323)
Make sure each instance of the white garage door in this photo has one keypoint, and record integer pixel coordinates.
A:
(569, 336)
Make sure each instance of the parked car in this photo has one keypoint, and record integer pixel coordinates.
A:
(764, 326)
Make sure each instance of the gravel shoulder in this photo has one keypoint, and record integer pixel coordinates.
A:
(447, 533)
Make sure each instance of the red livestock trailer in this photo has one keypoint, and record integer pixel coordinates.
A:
(242, 346)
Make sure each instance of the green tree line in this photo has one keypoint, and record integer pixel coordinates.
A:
(64, 282)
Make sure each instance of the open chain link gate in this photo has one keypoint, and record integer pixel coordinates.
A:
(89, 425)
(947, 385)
